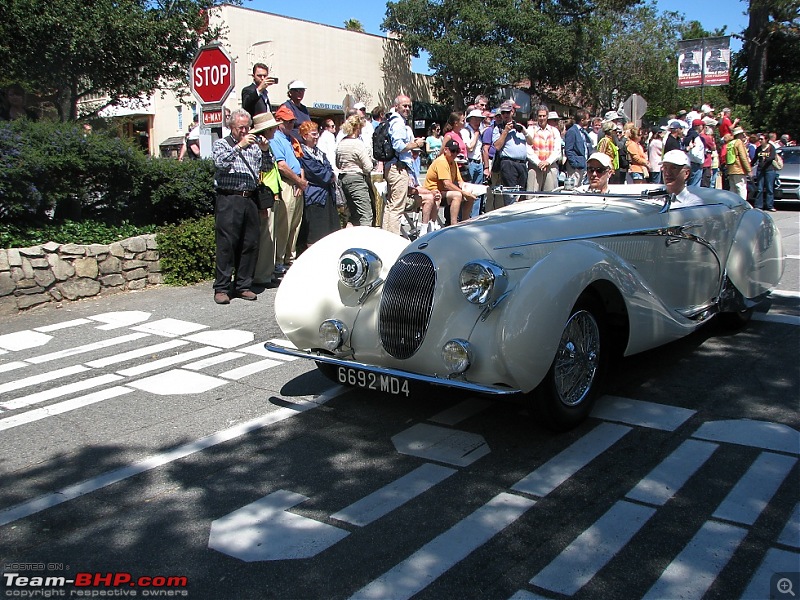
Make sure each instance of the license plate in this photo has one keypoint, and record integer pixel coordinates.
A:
(378, 382)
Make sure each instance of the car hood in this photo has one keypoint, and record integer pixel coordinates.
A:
(527, 228)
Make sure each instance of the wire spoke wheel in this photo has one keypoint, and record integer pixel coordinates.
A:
(577, 359)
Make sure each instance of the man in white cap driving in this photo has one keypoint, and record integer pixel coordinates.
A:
(675, 170)
(598, 170)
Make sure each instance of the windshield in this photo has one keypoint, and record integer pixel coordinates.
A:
(791, 157)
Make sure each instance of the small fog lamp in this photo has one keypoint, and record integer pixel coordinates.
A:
(457, 356)
(332, 334)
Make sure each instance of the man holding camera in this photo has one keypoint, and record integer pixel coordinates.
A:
(238, 160)
(510, 140)
(255, 98)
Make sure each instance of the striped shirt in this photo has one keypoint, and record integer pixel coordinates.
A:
(231, 162)
(544, 143)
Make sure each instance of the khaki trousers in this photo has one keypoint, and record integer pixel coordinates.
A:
(396, 196)
(287, 214)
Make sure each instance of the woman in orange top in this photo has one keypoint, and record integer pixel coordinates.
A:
(638, 159)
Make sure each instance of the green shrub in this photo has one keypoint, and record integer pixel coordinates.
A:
(85, 232)
(50, 172)
(187, 251)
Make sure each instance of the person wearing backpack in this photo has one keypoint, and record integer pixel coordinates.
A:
(392, 144)
(737, 163)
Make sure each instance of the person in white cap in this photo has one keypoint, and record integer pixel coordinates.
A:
(676, 170)
(471, 134)
(599, 170)
(296, 92)
(367, 130)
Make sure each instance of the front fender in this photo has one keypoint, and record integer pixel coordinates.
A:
(532, 321)
(311, 291)
(755, 263)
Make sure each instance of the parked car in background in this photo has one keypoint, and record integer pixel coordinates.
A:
(789, 177)
(533, 299)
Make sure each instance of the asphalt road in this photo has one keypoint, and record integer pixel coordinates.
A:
(149, 446)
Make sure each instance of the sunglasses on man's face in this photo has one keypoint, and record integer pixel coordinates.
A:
(596, 170)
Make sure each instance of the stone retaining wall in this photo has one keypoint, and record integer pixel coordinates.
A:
(62, 272)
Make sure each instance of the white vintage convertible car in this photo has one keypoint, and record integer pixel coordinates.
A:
(533, 299)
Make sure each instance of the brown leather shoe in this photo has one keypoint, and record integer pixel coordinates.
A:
(246, 295)
(222, 298)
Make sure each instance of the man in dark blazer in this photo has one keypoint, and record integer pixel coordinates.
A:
(255, 99)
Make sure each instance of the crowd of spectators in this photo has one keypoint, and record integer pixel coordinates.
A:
(328, 178)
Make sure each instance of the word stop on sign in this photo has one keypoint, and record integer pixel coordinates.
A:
(211, 75)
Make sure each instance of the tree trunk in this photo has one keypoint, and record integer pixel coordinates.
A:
(757, 36)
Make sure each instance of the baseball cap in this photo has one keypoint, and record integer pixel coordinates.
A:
(359, 105)
(507, 106)
(602, 158)
(297, 85)
(475, 113)
(697, 122)
(611, 115)
(737, 131)
(284, 113)
(452, 145)
(608, 125)
(676, 124)
(552, 115)
(709, 121)
(676, 157)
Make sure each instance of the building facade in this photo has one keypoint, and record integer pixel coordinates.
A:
(339, 67)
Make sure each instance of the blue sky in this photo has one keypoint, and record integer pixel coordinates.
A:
(712, 14)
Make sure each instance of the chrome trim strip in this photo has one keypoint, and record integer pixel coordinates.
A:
(451, 383)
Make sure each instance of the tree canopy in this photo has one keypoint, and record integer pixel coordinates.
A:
(72, 50)
(596, 53)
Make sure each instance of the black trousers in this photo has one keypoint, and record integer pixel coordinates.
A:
(513, 173)
(237, 233)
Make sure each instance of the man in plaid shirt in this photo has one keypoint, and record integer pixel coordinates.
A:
(544, 150)
(236, 214)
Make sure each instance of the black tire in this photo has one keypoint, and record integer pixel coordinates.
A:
(328, 370)
(564, 399)
(735, 320)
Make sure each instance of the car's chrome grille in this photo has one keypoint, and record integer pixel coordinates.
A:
(406, 304)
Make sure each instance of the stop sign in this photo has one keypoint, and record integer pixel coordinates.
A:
(211, 75)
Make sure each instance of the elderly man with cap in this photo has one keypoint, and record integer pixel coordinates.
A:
(598, 171)
(238, 160)
(296, 92)
(510, 140)
(676, 170)
(737, 163)
(471, 134)
(287, 213)
(443, 175)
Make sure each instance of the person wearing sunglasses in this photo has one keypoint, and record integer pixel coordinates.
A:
(598, 171)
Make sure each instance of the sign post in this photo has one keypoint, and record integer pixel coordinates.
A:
(211, 81)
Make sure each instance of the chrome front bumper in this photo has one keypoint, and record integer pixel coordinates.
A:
(451, 383)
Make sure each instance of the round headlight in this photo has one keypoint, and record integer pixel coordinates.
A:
(482, 281)
(358, 267)
(332, 334)
(457, 356)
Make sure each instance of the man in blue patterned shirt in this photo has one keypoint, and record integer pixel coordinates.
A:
(238, 161)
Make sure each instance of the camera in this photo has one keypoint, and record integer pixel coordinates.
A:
(519, 127)
(274, 79)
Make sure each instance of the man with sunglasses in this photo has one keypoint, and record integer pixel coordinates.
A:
(598, 170)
